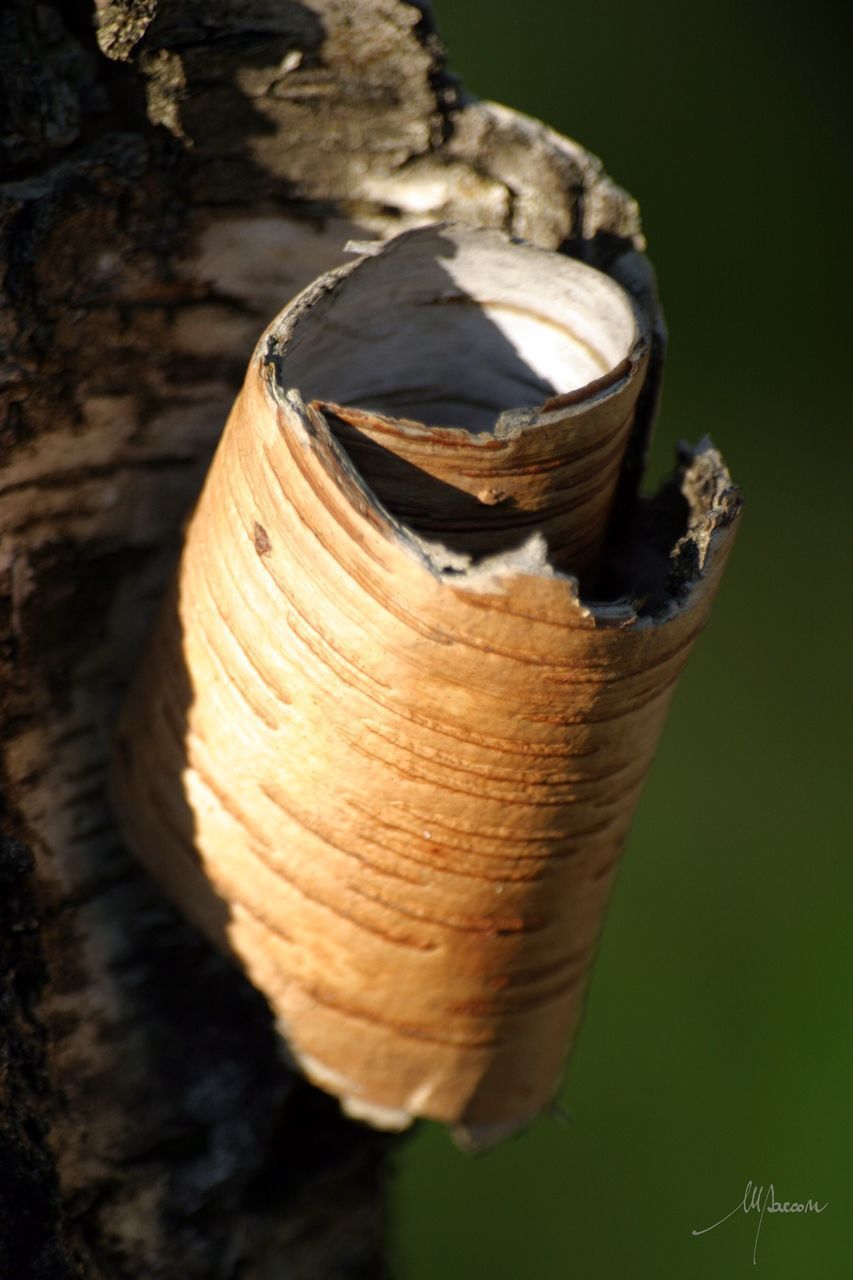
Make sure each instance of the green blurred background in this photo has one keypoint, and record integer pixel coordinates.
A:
(717, 1041)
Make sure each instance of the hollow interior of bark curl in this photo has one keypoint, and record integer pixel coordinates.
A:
(463, 374)
(456, 332)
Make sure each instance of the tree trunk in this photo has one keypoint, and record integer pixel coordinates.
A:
(171, 174)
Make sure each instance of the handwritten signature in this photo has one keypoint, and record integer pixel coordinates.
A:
(760, 1200)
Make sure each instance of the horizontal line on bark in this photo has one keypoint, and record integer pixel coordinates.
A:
(422, 777)
(488, 770)
(210, 644)
(410, 1030)
(492, 926)
(76, 476)
(237, 896)
(275, 796)
(258, 845)
(524, 839)
(514, 1003)
(515, 871)
(278, 694)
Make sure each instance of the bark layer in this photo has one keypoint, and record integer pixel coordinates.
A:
(171, 174)
(392, 775)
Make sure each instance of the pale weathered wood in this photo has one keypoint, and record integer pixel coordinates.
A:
(387, 770)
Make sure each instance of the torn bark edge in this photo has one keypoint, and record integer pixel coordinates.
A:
(710, 504)
(670, 547)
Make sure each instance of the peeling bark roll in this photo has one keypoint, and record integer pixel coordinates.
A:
(378, 749)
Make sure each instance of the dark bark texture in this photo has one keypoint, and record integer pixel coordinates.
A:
(171, 172)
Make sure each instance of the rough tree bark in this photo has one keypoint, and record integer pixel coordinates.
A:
(172, 172)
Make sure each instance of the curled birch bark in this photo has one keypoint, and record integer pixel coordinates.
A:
(382, 749)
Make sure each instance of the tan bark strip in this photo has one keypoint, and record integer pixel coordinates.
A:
(523, 977)
(525, 798)
(259, 850)
(322, 832)
(254, 705)
(466, 739)
(493, 772)
(472, 869)
(515, 1003)
(618, 714)
(522, 788)
(230, 625)
(516, 860)
(391, 935)
(492, 926)
(262, 848)
(406, 1029)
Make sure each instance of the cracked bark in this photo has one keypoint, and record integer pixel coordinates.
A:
(171, 175)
